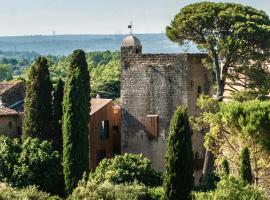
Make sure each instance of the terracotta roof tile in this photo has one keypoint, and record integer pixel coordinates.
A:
(7, 111)
(5, 86)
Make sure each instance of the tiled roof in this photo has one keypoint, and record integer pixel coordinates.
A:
(7, 111)
(5, 86)
(98, 103)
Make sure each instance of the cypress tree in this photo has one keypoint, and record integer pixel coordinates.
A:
(245, 167)
(57, 115)
(178, 180)
(75, 121)
(225, 166)
(38, 102)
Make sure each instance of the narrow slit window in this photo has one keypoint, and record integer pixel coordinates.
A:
(104, 129)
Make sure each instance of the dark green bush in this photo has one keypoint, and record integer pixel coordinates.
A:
(32, 162)
(127, 168)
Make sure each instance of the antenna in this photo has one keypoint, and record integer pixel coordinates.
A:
(130, 26)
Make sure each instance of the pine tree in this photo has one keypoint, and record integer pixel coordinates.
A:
(38, 102)
(225, 166)
(245, 167)
(57, 115)
(178, 180)
(76, 110)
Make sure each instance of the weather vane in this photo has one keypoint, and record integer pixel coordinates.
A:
(130, 26)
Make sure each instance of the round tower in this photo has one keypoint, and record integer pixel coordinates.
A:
(131, 45)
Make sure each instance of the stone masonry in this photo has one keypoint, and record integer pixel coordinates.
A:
(155, 84)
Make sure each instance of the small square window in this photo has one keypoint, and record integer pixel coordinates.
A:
(104, 130)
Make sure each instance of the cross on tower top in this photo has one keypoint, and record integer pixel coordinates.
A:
(130, 26)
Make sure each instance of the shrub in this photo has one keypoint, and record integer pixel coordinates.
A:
(32, 162)
(245, 167)
(127, 168)
(231, 188)
(155, 193)
(108, 191)
(29, 193)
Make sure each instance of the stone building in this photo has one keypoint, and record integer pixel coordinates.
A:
(11, 107)
(152, 86)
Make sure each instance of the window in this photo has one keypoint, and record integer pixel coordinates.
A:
(104, 130)
(199, 91)
(100, 156)
(151, 123)
(191, 85)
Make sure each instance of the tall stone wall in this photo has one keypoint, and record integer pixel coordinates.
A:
(155, 84)
(150, 85)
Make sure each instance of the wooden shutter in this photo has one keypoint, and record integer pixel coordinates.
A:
(151, 123)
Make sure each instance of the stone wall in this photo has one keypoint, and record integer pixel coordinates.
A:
(11, 125)
(155, 84)
(14, 94)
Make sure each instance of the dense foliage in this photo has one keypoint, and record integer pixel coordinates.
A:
(126, 168)
(245, 167)
(29, 193)
(234, 125)
(104, 68)
(225, 166)
(178, 179)
(231, 188)
(38, 102)
(232, 34)
(108, 191)
(57, 115)
(5, 72)
(76, 111)
(32, 162)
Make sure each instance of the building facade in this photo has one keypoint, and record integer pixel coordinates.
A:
(104, 131)
(11, 107)
(152, 86)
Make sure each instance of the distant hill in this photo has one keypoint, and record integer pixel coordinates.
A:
(65, 44)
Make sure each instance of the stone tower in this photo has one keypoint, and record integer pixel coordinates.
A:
(152, 86)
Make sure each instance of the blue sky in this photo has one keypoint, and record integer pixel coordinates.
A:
(35, 17)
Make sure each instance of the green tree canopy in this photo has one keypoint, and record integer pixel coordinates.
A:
(30, 162)
(38, 102)
(231, 34)
(76, 111)
(178, 179)
(5, 72)
(126, 168)
(235, 125)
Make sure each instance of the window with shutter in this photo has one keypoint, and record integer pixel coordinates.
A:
(151, 123)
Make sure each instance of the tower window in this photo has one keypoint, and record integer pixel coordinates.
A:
(199, 91)
(191, 85)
